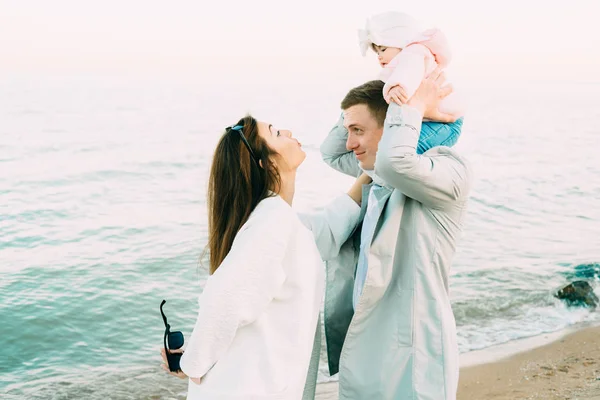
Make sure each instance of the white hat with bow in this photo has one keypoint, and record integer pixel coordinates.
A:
(390, 29)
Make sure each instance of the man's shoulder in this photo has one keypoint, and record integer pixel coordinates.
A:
(457, 165)
(444, 152)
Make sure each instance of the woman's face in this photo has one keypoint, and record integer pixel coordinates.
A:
(289, 151)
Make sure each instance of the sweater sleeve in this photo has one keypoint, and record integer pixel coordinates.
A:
(409, 70)
(241, 288)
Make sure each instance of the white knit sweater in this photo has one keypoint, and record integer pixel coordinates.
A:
(258, 312)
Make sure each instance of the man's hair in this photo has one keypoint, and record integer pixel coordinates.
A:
(370, 94)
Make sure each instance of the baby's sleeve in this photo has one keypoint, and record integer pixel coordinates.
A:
(409, 70)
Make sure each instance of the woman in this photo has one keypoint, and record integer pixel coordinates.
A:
(259, 310)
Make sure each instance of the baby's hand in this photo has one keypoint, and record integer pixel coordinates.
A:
(397, 95)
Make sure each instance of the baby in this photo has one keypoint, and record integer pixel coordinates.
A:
(407, 53)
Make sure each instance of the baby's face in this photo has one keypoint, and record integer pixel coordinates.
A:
(385, 54)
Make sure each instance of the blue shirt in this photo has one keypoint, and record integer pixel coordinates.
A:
(378, 196)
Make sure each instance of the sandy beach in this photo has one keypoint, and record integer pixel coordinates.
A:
(566, 368)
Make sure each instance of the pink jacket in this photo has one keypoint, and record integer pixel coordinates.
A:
(416, 61)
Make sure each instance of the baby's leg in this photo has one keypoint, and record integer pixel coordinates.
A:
(438, 134)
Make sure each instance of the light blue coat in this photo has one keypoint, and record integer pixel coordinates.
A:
(400, 343)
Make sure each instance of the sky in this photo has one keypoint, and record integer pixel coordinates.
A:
(237, 41)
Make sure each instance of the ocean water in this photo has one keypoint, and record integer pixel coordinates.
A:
(103, 215)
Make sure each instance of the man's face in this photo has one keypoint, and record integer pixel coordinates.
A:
(364, 134)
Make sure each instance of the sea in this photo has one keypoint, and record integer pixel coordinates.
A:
(103, 215)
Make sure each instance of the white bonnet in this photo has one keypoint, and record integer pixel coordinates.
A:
(390, 29)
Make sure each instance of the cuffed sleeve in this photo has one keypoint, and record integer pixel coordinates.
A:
(408, 72)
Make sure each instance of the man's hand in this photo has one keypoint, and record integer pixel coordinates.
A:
(397, 95)
(428, 96)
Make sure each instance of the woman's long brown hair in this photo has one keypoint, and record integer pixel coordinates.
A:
(236, 185)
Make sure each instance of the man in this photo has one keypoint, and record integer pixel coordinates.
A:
(389, 325)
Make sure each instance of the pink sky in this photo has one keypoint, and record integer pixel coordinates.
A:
(236, 40)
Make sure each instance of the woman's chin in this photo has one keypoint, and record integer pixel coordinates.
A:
(301, 158)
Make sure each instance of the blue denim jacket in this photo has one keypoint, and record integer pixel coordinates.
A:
(438, 134)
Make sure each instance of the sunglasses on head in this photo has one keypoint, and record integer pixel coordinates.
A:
(239, 128)
(174, 340)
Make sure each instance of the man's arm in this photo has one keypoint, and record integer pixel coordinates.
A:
(335, 154)
(437, 181)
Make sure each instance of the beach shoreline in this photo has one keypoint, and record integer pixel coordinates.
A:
(559, 365)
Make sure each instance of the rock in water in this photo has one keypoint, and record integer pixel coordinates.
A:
(578, 293)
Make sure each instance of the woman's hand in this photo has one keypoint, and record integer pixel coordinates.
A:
(165, 364)
(428, 96)
(355, 191)
(180, 374)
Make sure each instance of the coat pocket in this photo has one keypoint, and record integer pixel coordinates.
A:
(405, 315)
(428, 329)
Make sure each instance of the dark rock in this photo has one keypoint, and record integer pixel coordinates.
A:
(578, 293)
